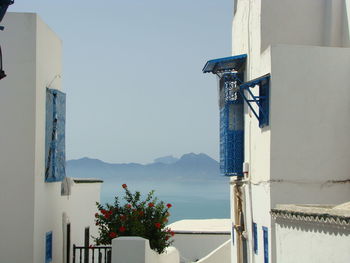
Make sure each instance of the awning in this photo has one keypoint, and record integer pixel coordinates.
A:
(235, 63)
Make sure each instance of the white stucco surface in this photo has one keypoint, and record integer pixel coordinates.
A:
(32, 60)
(222, 254)
(137, 250)
(309, 243)
(302, 156)
(312, 233)
(196, 238)
(202, 226)
(193, 247)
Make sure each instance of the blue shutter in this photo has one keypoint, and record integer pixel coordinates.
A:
(48, 247)
(55, 152)
(255, 238)
(266, 244)
(231, 127)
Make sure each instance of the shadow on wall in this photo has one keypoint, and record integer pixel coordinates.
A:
(303, 226)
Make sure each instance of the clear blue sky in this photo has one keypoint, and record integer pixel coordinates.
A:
(132, 74)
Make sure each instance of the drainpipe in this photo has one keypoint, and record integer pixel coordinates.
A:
(239, 217)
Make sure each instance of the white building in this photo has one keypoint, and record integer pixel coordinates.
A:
(38, 205)
(299, 154)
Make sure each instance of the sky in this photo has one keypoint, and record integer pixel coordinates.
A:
(132, 72)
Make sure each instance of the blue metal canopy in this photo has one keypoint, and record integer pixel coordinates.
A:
(235, 63)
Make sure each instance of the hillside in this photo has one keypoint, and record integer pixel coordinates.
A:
(189, 167)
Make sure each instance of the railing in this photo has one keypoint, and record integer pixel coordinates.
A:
(92, 254)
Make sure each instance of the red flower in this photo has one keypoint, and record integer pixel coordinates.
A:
(123, 217)
(141, 213)
(113, 235)
(96, 215)
(157, 225)
(103, 211)
(168, 205)
(122, 229)
(124, 186)
(172, 233)
(107, 216)
(96, 223)
(167, 237)
(150, 205)
(128, 205)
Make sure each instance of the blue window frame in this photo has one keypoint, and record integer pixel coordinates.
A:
(55, 156)
(48, 247)
(233, 234)
(266, 244)
(255, 237)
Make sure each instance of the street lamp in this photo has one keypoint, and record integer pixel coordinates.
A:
(4, 4)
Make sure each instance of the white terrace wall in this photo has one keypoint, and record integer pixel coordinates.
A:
(137, 250)
(222, 254)
(303, 241)
(196, 246)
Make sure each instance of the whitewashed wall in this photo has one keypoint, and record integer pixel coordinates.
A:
(306, 143)
(137, 250)
(17, 138)
(32, 60)
(221, 254)
(311, 242)
(196, 246)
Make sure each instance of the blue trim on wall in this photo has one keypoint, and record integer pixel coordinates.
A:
(266, 244)
(233, 234)
(255, 237)
(48, 247)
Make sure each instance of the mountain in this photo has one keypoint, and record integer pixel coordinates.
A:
(166, 159)
(190, 166)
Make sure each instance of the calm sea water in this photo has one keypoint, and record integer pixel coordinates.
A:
(190, 200)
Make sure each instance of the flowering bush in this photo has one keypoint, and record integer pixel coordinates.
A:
(144, 218)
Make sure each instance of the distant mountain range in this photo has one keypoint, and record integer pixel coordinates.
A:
(191, 183)
(189, 167)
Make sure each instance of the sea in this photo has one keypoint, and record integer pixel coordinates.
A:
(206, 199)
